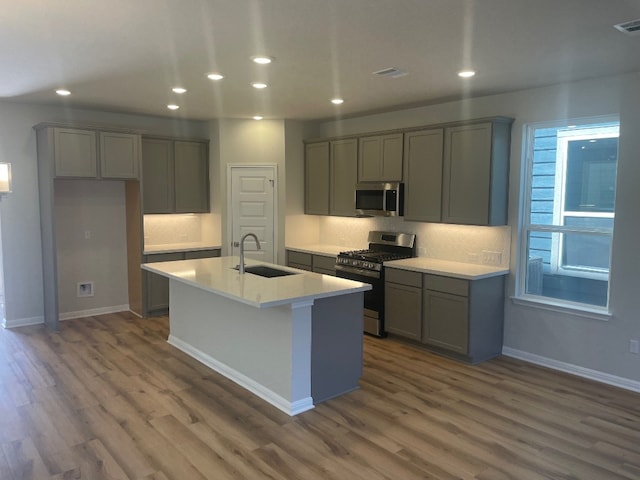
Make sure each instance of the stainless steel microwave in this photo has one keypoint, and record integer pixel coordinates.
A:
(384, 199)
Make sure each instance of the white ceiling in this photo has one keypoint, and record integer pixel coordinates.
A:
(126, 55)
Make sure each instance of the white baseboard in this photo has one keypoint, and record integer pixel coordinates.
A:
(290, 408)
(573, 369)
(93, 311)
(22, 322)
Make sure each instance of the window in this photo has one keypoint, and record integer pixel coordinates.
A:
(569, 211)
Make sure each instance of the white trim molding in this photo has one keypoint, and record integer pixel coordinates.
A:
(94, 311)
(573, 369)
(22, 322)
(290, 408)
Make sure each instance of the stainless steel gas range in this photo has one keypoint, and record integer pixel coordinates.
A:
(368, 266)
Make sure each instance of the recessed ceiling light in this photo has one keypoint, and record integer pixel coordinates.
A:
(215, 76)
(257, 117)
(466, 73)
(259, 85)
(173, 106)
(63, 92)
(262, 59)
(179, 89)
(337, 101)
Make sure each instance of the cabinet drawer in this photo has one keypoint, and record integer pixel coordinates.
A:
(163, 257)
(403, 277)
(324, 263)
(299, 258)
(201, 254)
(454, 286)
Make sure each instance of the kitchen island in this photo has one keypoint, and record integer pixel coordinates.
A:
(293, 340)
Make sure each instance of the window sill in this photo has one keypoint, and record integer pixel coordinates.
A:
(575, 309)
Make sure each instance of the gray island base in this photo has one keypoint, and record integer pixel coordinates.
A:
(294, 341)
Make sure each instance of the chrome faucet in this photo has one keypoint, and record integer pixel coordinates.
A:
(241, 245)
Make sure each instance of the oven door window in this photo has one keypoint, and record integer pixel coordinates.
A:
(370, 199)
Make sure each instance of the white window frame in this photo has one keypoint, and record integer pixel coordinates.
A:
(526, 227)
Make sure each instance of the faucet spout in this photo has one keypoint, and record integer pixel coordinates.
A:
(244, 237)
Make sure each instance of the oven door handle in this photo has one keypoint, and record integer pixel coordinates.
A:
(357, 271)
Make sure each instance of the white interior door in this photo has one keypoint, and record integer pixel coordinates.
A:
(251, 197)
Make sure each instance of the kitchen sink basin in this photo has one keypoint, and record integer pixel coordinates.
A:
(267, 272)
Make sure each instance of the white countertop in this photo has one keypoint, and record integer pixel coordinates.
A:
(320, 249)
(178, 247)
(467, 271)
(217, 275)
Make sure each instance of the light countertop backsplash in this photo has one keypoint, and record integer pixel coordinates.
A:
(180, 229)
(457, 243)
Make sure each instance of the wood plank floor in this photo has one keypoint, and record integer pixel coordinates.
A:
(108, 398)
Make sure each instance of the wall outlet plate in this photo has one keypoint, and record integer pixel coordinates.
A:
(85, 289)
(634, 346)
(491, 258)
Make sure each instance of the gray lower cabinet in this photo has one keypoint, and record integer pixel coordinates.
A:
(403, 303)
(312, 262)
(175, 176)
(457, 317)
(156, 287)
(331, 173)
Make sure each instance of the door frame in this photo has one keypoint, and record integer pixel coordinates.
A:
(274, 168)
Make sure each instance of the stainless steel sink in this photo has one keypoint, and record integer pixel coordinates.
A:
(268, 272)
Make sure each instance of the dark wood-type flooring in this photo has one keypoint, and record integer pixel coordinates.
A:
(108, 398)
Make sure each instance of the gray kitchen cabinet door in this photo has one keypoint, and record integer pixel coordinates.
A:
(119, 155)
(156, 288)
(324, 265)
(75, 153)
(343, 167)
(476, 173)
(446, 321)
(423, 175)
(316, 171)
(191, 176)
(157, 175)
(403, 310)
(380, 158)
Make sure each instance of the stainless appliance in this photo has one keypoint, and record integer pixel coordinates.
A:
(367, 266)
(385, 199)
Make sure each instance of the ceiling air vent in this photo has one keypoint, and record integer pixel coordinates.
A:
(632, 28)
(392, 72)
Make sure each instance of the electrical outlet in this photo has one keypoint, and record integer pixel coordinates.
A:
(634, 346)
(491, 258)
(87, 234)
(472, 257)
(85, 289)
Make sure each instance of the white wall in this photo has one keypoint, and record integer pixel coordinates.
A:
(592, 347)
(96, 209)
(251, 142)
(20, 210)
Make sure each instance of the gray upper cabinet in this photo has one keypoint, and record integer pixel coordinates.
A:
(343, 161)
(191, 174)
(380, 158)
(75, 153)
(175, 176)
(317, 178)
(78, 153)
(157, 175)
(423, 175)
(476, 173)
(119, 155)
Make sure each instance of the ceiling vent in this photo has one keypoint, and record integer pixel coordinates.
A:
(392, 72)
(632, 28)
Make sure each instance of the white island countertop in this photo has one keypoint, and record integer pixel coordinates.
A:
(466, 271)
(217, 275)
